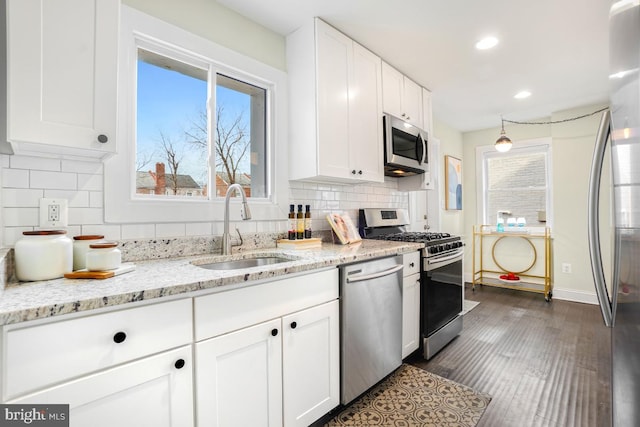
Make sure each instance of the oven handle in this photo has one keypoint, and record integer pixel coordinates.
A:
(376, 275)
(444, 260)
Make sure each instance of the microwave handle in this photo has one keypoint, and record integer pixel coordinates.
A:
(421, 149)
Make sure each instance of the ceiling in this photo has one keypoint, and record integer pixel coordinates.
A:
(557, 50)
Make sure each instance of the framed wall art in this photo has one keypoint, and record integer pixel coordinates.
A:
(453, 183)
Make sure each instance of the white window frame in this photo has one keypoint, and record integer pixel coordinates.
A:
(530, 145)
(121, 204)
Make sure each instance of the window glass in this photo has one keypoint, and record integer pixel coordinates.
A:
(171, 99)
(173, 142)
(518, 184)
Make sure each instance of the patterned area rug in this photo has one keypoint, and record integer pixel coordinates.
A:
(413, 397)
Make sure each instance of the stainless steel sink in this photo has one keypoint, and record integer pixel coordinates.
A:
(236, 264)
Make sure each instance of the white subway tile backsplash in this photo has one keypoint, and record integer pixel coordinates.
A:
(34, 163)
(76, 199)
(90, 182)
(21, 217)
(26, 179)
(86, 216)
(170, 230)
(15, 178)
(53, 180)
(198, 229)
(21, 198)
(91, 168)
(96, 199)
(110, 232)
(138, 231)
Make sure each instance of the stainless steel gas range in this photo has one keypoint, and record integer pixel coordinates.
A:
(442, 284)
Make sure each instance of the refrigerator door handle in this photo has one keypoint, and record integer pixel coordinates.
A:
(593, 218)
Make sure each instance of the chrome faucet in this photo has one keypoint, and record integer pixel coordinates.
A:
(245, 214)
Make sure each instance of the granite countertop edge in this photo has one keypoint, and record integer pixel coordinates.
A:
(154, 279)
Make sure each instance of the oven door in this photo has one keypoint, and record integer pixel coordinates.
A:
(442, 290)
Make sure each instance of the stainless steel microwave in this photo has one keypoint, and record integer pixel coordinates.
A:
(405, 148)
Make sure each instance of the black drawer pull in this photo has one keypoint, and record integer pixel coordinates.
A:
(103, 138)
(411, 265)
(274, 332)
(294, 325)
(119, 337)
(179, 364)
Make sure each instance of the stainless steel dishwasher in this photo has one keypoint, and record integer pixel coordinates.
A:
(371, 319)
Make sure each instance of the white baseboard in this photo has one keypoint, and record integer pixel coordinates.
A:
(562, 294)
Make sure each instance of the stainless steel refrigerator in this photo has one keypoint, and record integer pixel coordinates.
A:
(619, 294)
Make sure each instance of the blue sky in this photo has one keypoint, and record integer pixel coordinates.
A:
(169, 102)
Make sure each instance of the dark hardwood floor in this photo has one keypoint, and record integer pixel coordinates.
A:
(544, 364)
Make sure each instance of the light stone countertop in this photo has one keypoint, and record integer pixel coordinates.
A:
(153, 279)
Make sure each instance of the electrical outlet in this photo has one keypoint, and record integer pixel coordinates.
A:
(566, 267)
(53, 213)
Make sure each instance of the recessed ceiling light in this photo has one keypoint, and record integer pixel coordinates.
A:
(522, 94)
(486, 43)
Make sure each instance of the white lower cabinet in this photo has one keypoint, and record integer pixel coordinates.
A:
(411, 303)
(239, 377)
(284, 371)
(154, 391)
(311, 363)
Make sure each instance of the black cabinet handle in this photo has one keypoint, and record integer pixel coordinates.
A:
(353, 172)
(411, 265)
(359, 172)
(274, 332)
(179, 364)
(103, 138)
(294, 325)
(119, 337)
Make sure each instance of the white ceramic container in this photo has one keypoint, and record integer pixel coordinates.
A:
(103, 256)
(43, 255)
(81, 247)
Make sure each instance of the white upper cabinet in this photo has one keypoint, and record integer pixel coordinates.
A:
(61, 77)
(335, 105)
(401, 96)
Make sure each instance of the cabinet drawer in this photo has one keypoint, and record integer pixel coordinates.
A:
(41, 355)
(224, 312)
(411, 263)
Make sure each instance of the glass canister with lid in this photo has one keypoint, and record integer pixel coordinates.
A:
(43, 255)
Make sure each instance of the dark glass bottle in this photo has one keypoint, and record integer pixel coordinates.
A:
(292, 223)
(307, 222)
(300, 223)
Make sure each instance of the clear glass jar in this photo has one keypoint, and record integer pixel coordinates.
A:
(81, 247)
(103, 256)
(43, 255)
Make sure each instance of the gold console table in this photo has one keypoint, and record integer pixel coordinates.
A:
(534, 277)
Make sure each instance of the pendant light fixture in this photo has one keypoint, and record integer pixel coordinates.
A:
(503, 143)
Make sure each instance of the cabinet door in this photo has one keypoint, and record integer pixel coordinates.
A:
(410, 314)
(239, 378)
(412, 102)
(365, 116)
(334, 56)
(392, 89)
(154, 391)
(62, 59)
(311, 361)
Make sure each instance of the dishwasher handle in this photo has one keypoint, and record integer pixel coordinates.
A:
(361, 277)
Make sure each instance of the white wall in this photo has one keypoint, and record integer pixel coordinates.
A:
(572, 149)
(226, 27)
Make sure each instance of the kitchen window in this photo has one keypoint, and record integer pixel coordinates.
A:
(194, 118)
(516, 184)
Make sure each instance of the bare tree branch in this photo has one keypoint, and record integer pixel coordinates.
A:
(231, 142)
(173, 160)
